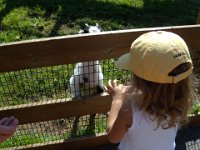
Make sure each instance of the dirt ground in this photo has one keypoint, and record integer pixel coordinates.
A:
(187, 139)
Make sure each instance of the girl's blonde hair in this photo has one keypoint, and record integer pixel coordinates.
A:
(167, 103)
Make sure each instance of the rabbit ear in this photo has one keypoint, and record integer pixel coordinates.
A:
(86, 25)
(97, 24)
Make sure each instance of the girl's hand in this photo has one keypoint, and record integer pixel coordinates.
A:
(7, 127)
(115, 90)
(120, 116)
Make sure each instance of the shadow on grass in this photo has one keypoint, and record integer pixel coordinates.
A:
(76, 12)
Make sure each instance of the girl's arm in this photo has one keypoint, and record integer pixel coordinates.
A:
(120, 117)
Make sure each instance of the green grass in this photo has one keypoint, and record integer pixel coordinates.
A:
(27, 86)
(56, 130)
(28, 139)
(42, 84)
(22, 19)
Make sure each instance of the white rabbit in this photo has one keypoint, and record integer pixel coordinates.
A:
(87, 79)
(91, 29)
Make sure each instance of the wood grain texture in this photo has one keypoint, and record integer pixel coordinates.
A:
(52, 110)
(82, 47)
(76, 144)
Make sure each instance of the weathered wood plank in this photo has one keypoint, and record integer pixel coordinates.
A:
(83, 142)
(74, 144)
(83, 47)
(57, 109)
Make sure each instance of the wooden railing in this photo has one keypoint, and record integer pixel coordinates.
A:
(83, 47)
(71, 49)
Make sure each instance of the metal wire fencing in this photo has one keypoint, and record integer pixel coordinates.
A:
(60, 129)
(64, 82)
(51, 83)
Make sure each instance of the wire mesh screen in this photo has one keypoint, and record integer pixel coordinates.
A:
(195, 54)
(193, 145)
(57, 82)
(66, 128)
(188, 138)
(64, 82)
(54, 83)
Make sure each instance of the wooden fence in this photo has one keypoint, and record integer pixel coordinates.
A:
(71, 49)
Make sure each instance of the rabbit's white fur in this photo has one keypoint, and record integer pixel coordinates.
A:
(86, 80)
(91, 29)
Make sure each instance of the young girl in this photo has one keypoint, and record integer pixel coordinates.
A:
(146, 115)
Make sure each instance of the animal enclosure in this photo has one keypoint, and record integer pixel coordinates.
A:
(35, 86)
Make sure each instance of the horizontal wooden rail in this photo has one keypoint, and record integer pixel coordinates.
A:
(57, 109)
(74, 144)
(82, 47)
(83, 142)
(71, 49)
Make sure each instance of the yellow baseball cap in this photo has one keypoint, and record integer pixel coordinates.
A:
(153, 55)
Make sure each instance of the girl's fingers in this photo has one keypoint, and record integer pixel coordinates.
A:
(105, 88)
(8, 125)
(110, 83)
(114, 83)
(9, 121)
(109, 89)
(113, 86)
(2, 121)
(5, 120)
(109, 86)
(15, 122)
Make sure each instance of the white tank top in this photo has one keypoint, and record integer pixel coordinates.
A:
(143, 135)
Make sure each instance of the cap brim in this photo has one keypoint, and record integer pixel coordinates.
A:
(124, 61)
